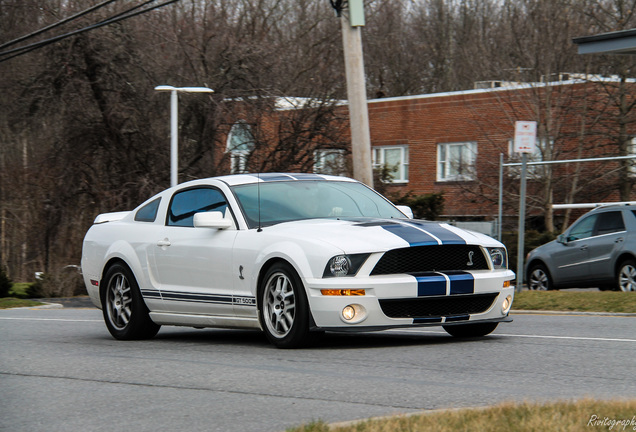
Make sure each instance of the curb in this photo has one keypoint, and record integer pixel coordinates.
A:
(44, 306)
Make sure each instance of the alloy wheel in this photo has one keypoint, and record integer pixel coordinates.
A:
(279, 304)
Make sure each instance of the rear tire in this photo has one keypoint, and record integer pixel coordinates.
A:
(626, 276)
(539, 278)
(125, 313)
(471, 330)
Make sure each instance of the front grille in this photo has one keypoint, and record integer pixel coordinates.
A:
(419, 259)
(437, 306)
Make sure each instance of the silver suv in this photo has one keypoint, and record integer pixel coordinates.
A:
(598, 250)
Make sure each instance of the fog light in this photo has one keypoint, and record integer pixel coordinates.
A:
(505, 306)
(353, 314)
(348, 313)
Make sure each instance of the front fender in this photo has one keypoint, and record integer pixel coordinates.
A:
(307, 258)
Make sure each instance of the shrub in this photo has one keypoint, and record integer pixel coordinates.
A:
(532, 239)
(66, 282)
(428, 206)
(5, 283)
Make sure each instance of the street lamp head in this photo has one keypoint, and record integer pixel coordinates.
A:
(195, 89)
(184, 89)
(164, 88)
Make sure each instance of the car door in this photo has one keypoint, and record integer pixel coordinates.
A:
(570, 259)
(608, 239)
(193, 265)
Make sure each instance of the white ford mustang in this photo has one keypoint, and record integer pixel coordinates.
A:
(289, 254)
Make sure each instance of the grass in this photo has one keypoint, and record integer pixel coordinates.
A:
(580, 301)
(18, 294)
(585, 415)
(12, 302)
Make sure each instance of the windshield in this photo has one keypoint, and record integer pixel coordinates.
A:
(295, 200)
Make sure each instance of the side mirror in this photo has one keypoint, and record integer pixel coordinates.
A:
(406, 210)
(562, 239)
(213, 219)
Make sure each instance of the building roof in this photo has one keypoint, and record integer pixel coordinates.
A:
(618, 42)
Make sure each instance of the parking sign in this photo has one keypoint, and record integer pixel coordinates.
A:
(525, 136)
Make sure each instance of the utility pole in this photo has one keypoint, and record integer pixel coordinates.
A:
(356, 89)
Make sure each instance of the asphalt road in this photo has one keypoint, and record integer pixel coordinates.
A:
(61, 371)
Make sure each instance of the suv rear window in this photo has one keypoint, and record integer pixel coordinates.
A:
(610, 222)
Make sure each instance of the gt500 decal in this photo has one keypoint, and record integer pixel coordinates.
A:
(207, 298)
(244, 301)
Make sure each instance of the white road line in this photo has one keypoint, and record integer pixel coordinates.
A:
(388, 331)
(566, 337)
(48, 319)
(530, 336)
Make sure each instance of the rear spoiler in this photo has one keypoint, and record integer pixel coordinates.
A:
(110, 217)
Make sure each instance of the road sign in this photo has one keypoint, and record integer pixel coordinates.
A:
(525, 136)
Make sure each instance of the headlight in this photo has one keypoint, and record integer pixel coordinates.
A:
(499, 257)
(344, 265)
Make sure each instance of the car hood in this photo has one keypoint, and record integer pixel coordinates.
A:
(366, 234)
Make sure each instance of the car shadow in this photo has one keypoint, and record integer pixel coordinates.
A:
(327, 340)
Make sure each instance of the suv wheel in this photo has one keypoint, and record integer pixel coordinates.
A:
(626, 277)
(539, 279)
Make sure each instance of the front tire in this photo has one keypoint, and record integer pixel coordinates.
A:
(471, 330)
(539, 278)
(284, 311)
(124, 310)
(626, 277)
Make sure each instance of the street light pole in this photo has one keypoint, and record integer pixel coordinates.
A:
(174, 125)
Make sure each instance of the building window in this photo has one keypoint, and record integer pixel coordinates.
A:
(456, 161)
(330, 161)
(631, 151)
(395, 159)
(240, 144)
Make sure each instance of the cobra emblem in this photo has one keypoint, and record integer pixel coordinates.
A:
(470, 258)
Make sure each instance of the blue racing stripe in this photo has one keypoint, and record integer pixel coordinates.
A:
(445, 235)
(272, 177)
(427, 320)
(461, 282)
(307, 176)
(457, 318)
(411, 234)
(430, 284)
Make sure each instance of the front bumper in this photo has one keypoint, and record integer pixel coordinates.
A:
(423, 308)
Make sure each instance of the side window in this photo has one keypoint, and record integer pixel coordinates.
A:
(583, 229)
(610, 222)
(148, 213)
(187, 203)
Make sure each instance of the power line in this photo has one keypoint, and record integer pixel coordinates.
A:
(57, 24)
(116, 18)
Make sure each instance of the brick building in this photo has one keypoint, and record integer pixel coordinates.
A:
(451, 143)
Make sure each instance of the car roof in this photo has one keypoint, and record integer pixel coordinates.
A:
(241, 179)
(614, 206)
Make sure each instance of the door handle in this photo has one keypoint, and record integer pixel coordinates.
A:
(618, 240)
(584, 247)
(163, 243)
